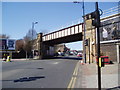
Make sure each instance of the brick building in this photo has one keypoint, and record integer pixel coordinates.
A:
(109, 39)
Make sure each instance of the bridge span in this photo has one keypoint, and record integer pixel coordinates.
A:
(65, 35)
(45, 44)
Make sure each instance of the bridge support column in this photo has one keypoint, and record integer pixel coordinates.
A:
(90, 41)
(40, 46)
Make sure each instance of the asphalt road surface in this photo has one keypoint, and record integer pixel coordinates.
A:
(53, 73)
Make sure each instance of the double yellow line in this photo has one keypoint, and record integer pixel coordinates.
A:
(74, 77)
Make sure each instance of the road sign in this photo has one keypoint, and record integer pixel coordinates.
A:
(7, 44)
(11, 44)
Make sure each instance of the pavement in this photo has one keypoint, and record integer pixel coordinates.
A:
(87, 77)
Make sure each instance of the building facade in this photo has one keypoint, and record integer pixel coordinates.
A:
(109, 39)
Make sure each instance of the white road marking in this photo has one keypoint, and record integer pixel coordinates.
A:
(55, 62)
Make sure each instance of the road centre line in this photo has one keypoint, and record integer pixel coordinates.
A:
(74, 77)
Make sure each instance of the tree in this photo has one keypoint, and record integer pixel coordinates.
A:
(28, 41)
(19, 44)
(24, 45)
(31, 35)
(27, 44)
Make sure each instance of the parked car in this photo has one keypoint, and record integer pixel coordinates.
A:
(79, 55)
(61, 54)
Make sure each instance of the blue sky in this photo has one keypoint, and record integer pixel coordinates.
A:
(17, 17)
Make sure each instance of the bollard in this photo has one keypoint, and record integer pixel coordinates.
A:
(8, 59)
(82, 62)
(4, 57)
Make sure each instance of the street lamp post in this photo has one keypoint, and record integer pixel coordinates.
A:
(33, 24)
(84, 48)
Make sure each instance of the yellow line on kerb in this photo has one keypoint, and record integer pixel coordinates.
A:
(74, 77)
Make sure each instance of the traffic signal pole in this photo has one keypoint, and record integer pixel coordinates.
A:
(98, 46)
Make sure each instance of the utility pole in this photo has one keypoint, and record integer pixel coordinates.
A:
(33, 23)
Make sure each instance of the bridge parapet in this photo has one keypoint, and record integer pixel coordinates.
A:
(75, 29)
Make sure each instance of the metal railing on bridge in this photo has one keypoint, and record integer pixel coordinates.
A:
(75, 29)
(111, 11)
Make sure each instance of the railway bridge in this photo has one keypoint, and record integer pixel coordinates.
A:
(45, 43)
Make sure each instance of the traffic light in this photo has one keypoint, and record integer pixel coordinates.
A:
(95, 18)
(86, 42)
